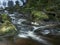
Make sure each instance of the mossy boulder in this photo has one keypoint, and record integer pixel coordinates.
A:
(39, 15)
(8, 29)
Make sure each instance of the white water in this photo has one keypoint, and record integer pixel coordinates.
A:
(34, 37)
(26, 33)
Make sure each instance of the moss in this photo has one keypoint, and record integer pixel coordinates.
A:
(39, 15)
(7, 28)
(5, 17)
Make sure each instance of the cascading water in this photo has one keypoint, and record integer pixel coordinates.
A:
(31, 34)
(26, 31)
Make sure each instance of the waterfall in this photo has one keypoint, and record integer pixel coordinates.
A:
(4, 3)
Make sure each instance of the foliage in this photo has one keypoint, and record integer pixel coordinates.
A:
(7, 29)
(39, 5)
(39, 15)
(5, 17)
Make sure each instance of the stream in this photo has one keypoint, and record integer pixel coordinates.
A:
(29, 34)
(26, 31)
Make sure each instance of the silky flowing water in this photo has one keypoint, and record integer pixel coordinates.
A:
(27, 35)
